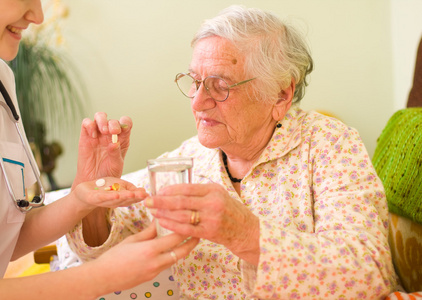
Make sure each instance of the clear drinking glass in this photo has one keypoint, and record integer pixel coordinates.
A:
(167, 171)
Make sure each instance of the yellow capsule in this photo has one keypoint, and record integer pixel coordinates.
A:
(115, 186)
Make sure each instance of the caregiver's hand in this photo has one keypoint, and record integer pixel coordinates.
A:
(207, 211)
(98, 156)
(115, 192)
(141, 257)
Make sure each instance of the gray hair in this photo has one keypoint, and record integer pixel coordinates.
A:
(276, 53)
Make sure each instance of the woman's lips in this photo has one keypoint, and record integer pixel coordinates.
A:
(208, 122)
(17, 32)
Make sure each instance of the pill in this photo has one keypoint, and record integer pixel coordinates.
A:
(114, 138)
(115, 186)
(100, 182)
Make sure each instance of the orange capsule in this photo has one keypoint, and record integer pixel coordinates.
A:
(115, 186)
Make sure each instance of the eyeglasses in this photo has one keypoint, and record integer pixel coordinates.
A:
(216, 87)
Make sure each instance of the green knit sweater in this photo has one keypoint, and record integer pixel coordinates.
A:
(398, 161)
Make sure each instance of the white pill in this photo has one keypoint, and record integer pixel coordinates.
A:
(100, 182)
(114, 138)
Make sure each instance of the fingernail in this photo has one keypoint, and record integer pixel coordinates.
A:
(149, 202)
(124, 126)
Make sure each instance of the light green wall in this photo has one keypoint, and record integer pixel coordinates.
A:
(130, 50)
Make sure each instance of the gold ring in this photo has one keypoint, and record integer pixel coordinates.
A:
(196, 218)
(173, 255)
(193, 217)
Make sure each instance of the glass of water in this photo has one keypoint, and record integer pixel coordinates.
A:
(167, 171)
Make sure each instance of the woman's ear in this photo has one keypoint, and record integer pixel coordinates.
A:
(285, 98)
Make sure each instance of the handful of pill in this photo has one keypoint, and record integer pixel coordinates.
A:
(113, 187)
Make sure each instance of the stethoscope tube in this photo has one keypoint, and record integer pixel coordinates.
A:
(22, 204)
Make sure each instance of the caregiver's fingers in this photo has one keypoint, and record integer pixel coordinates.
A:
(148, 233)
(113, 199)
(109, 192)
(176, 242)
(183, 249)
(108, 183)
(188, 229)
(176, 249)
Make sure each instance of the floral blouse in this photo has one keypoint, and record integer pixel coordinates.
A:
(323, 219)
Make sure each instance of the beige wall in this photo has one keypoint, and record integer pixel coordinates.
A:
(406, 28)
(130, 50)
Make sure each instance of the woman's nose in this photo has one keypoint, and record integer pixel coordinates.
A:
(35, 13)
(202, 100)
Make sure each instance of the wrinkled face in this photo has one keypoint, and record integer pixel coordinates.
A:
(237, 122)
(15, 16)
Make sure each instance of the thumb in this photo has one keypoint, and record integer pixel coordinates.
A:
(126, 126)
(148, 233)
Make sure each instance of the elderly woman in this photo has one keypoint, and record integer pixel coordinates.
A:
(287, 203)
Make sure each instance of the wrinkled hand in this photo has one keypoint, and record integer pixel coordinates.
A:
(222, 219)
(91, 196)
(141, 257)
(98, 156)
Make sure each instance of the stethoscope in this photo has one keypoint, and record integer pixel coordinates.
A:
(22, 204)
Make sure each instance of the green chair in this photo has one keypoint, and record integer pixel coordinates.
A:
(398, 161)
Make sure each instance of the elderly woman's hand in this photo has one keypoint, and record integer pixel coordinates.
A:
(98, 155)
(207, 211)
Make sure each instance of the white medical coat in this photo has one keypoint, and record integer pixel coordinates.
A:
(18, 170)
